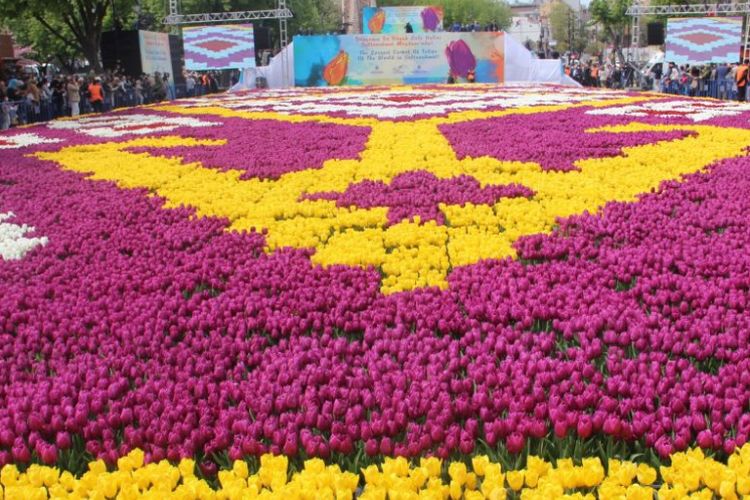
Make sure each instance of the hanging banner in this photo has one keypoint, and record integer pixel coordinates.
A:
(155, 53)
(393, 20)
(702, 40)
(230, 46)
(330, 60)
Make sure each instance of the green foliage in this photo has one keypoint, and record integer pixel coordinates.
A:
(77, 23)
(567, 29)
(559, 23)
(465, 11)
(28, 32)
(321, 16)
(318, 15)
(610, 15)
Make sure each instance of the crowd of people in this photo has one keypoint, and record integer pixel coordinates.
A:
(721, 81)
(473, 27)
(592, 73)
(409, 28)
(28, 98)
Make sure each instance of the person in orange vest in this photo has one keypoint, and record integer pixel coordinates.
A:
(741, 77)
(96, 95)
(595, 75)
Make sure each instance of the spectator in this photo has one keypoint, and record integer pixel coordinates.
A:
(4, 107)
(160, 91)
(74, 95)
(34, 97)
(721, 77)
(58, 97)
(190, 85)
(96, 95)
(695, 79)
(168, 89)
(13, 84)
(138, 92)
(595, 75)
(741, 79)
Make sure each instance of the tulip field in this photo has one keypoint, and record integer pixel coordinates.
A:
(382, 292)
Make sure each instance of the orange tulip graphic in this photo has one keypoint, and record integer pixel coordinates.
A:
(335, 71)
(376, 22)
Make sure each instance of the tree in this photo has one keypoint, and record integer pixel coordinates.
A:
(566, 28)
(318, 15)
(28, 31)
(610, 15)
(559, 25)
(465, 11)
(76, 23)
(321, 16)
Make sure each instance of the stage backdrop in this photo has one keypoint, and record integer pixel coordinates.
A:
(393, 59)
(700, 40)
(388, 20)
(230, 46)
(155, 52)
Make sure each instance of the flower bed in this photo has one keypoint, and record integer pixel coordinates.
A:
(366, 273)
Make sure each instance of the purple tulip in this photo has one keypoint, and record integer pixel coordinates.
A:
(515, 443)
(185, 339)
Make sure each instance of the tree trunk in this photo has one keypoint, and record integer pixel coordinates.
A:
(90, 48)
(617, 44)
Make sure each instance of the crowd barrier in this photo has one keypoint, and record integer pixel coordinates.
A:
(24, 112)
(718, 89)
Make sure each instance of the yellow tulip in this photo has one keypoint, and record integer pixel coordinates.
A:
(515, 479)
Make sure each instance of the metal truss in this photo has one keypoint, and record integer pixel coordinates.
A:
(251, 15)
(700, 9)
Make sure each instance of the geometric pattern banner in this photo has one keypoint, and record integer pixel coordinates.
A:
(219, 47)
(703, 40)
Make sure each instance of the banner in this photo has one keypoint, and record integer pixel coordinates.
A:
(330, 60)
(393, 20)
(155, 52)
(230, 46)
(703, 40)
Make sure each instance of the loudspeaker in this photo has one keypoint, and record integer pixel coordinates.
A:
(121, 48)
(263, 38)
(177, 52)
(655, 34)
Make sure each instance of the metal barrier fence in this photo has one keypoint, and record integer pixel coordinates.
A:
(718, 89)
(24, 112)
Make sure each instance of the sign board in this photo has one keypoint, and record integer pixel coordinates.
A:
(330, 60)
(155, 53)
